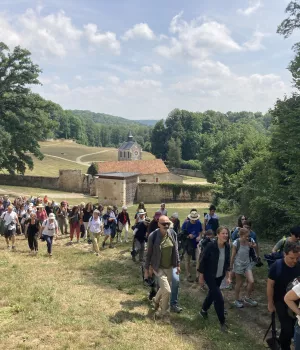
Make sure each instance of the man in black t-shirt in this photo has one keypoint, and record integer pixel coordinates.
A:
(140, 237)
(281, 273)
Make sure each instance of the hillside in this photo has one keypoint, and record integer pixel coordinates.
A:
(103, 118)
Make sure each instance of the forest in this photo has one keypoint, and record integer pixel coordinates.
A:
(253, 157)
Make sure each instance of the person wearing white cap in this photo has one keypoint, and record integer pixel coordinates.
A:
(123, 223)
(49, 230)
(192, 229)
(95, 227)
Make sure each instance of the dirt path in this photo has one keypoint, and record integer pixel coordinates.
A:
(78, 159)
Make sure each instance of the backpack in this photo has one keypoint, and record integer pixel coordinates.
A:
(284, 238)
(252, 253)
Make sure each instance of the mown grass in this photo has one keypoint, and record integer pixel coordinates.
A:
(78, 301)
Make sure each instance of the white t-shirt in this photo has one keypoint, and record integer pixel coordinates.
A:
(95, 225)
(10, 219)
(208, 217)
(296, 289)
(163, 211)
(49, 228)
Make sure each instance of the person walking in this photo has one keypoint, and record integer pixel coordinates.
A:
(95, 228)
(109, 220)
(123, 223)
(140, 237)
(32, 230)
(214, 264)
(41, 213)
(281, 273)
(10, 219)
(242, 265)
(163, 209)
(87, 214)
(49, 231)
(163, 256)
(62, 218)
(74, 219)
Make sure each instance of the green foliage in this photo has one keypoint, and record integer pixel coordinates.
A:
(24, 115)
(174, 153)
(192, 164)
(177, 188)
(93, 169)
(159, 140)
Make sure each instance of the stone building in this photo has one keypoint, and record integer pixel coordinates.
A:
(129, 150)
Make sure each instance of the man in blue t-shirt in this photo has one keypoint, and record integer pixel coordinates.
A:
(192, 230)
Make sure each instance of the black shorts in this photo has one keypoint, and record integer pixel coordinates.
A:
(9, 233)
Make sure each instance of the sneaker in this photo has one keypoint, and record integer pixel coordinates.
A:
(224, 328)
(250, 301)
(239, 304)
(155, 305)
(176, 309)
(203, 314)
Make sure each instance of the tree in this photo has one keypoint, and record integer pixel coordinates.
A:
(174, 153)
(24, 119)
(158, 140)
(93, 169)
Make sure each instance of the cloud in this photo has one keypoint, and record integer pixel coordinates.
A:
(252, 8)
(212, 68)
(107, 39)
(114, 80)
(53, 34)
(154, 68)
(255, 43)
(78, 77)
(139, 31)
(196, 39)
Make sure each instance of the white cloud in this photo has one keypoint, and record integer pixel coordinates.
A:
(154, 68)
(197, 39)
(78, 77)
(252, 8)
(114, 80)
(143, 84)
(211, 67)
(255, 43)
(107, 39)
(139, 31)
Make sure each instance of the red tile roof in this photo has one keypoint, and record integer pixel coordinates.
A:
(155, 166)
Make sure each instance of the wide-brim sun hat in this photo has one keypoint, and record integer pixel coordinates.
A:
(142, 212)
(194, 215)
(40, 206)
(51, 216)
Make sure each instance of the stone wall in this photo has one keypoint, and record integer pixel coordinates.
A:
(131, 188)
(187, 172)
(68, 180)
(111, 191)
(157, 193)
(74, 181)
(50, 183)
(158, 178)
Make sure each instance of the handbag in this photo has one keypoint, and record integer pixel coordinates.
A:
(273, 341)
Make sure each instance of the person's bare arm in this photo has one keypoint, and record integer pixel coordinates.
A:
(270, 295)
(290, 299)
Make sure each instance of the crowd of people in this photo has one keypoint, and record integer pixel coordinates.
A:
(214, 256)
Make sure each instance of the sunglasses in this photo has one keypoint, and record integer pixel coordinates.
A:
(165, 224)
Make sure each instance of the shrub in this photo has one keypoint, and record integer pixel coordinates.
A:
(190, 164)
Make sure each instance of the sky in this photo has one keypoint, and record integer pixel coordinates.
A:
(141, 59)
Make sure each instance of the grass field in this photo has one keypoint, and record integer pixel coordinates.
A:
(78, 301)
